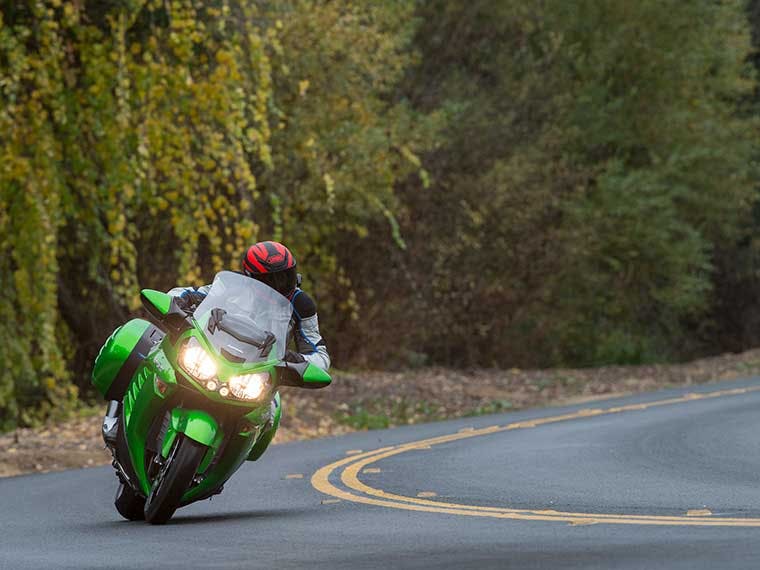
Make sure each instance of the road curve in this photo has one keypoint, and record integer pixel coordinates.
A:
(663, 480)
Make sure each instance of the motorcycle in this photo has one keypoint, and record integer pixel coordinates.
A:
(198, 392)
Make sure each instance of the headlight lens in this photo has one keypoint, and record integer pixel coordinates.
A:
(196, 361)
(249, 386)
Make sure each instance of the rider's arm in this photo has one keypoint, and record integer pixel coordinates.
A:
(179, 291)
(309, 341)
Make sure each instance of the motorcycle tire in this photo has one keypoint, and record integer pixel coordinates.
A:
(173, 479)
(129, 504)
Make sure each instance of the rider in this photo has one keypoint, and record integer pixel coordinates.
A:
(273, 264)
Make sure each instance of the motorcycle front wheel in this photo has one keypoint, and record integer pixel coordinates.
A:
(173, 479)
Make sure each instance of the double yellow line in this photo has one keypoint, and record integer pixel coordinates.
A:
(350, 468)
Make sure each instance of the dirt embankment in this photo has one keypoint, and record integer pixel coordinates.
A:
(369, 400)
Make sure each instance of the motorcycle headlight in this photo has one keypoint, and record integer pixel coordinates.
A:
(196, 361)
(249, 386)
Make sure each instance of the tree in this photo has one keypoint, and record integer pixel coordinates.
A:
(147, 143)
(594, 158)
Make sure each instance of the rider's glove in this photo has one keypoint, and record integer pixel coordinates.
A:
(294, 357)
(190, 299)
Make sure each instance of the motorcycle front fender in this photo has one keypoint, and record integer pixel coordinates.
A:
(195, 424)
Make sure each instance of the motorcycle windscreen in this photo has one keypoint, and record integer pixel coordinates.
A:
(244, 319)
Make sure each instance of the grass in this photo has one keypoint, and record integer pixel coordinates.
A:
(381, 413)
(495, 407)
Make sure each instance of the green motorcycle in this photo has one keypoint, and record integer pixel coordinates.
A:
(198, 391)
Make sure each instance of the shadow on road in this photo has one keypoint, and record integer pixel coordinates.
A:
(118, 523)
(240, 515)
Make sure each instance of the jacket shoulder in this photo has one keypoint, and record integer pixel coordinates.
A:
(303, 305)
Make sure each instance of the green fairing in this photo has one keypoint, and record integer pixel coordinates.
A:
(141, 406)
(195, 424)
(161, 301)
(143, 403)
(314, 374)
(198, 426)
(226, 369)
(163, 370)
(115, 352)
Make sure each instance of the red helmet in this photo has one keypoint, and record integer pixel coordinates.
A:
(272, 263)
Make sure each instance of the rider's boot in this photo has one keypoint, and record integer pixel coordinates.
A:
(111, 423)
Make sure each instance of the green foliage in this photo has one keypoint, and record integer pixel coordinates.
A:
(379, 413)
(734, 318)
(147, 142)
(672, 175)
(341, 142)
(594, 159)
(495, 407)
(492, 182)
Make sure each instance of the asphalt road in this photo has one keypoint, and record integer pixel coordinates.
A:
(664, 480)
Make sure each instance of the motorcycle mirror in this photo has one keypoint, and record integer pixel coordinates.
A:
(158, 304)
(164, 310)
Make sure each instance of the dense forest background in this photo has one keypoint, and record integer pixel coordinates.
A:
(490, 183)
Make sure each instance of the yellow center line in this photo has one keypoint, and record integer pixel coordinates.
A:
(350, 467)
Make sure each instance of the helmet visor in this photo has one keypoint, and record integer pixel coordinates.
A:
(284, 282)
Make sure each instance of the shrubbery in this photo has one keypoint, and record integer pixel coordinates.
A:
(493, 183)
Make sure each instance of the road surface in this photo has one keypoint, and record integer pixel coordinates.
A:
(662, 480)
